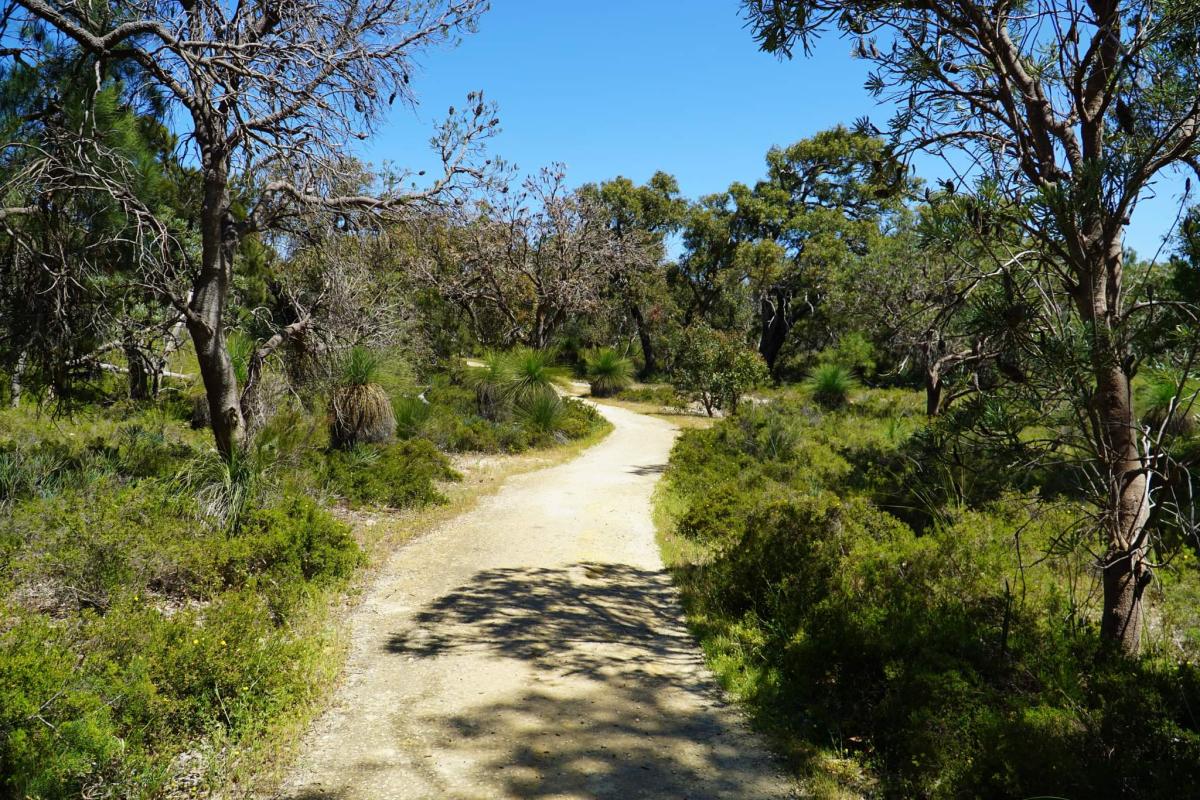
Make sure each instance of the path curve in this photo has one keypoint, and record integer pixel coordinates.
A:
(534, 647)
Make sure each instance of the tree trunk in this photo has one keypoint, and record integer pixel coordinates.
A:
(1127, 503)
(1126, 573)
(15, 381)
(139, 379)
(773, 310)
(933, 391)
(205, 323)
(649, 365)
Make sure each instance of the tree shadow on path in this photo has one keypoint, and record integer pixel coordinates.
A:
(620, 707)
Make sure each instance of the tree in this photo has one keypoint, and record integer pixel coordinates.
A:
(640, 217)
(519, 264)
(715, 368)
(83, 158)
(267, 95)
(1072, 109)
(822, 203)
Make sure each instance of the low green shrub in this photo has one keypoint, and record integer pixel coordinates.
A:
(958, 660)
(400, 475)
(830, 385)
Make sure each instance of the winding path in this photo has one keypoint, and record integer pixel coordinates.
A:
(534, 648)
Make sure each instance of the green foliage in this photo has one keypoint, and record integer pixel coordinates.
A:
(412, 415)
(664, 395)
(492, 383)
(854, 352)
(399, 475)
(360, 367)
(607, 371)
(541, 412)
(715, 368)
(830, 385)
(948, 662)
(533, 372)
(1167, 401)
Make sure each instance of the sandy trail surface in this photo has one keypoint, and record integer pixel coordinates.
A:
(534, 647)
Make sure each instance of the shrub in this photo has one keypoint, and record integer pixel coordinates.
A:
(492, 383)
(715, 368)
(607, 371)
(360, 411)
(412, 415)
(830, 385)
(542, 413)
(956, 663)
(398, 475)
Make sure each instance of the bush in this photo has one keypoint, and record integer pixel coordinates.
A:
(830, 385)
(359, 410)
(952, 663)
(399, 475)
(607, 371)
(715, 368)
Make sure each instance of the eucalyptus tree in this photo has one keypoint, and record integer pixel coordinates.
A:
(267, 96)
(641, 217)
(823, 202)
(1072, 108)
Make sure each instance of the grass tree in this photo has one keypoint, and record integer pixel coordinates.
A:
(1071, 109)
(360, 411)
(608, 372)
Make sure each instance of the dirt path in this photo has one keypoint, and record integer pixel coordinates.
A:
(533, 648)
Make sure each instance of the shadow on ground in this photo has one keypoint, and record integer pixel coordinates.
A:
(620, 708)
(609, 699)
(558, 619)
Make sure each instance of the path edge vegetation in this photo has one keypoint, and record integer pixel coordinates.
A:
(383, 534)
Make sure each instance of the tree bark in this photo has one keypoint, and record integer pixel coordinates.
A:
(773, 310)
(15, 381)
(1126, 573)
(139, 379)
(933, 391)
(649, 365)
(205, 322)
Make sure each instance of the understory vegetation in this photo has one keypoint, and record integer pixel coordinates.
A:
(163, 610)
(907, 626)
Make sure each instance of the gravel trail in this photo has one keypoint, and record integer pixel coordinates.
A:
(534, 647)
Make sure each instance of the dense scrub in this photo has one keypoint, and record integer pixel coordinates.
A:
(910, 635)
(163, 610)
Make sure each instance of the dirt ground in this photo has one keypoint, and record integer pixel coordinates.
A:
(533, 647)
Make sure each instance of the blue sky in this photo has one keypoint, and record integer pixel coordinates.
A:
(626, 88)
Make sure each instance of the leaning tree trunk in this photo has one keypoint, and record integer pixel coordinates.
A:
(205, 322)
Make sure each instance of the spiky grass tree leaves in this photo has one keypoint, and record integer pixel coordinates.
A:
(360, 411)
(831, 385)
(608, 372)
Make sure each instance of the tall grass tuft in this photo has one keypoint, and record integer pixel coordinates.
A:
(491, 383)
(830, 385)
(543, 412)
(533, 373)
(608, 371)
